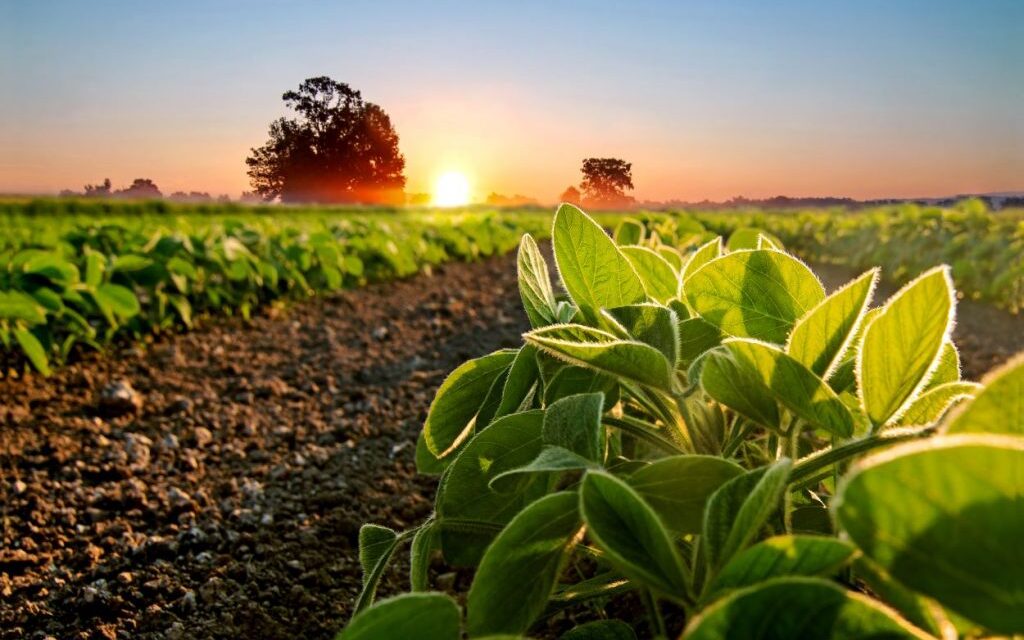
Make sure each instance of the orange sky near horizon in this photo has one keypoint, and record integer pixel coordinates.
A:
(707, 101)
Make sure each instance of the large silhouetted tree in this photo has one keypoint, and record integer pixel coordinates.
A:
(338, 148)
(605, 181)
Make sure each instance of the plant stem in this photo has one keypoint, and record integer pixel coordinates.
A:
(808, 467)
(657, 622)
(637, 428)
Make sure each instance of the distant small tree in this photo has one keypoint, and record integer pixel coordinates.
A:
(98, 190)
(140, 188)
(605, 181)
(571, 195)
(339, 148)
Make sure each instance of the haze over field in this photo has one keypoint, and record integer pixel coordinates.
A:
(870, 100)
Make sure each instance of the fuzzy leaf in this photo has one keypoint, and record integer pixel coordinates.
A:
(450, 419)
(754, 294)
(739, 508)
(945, 518)
(805, 608)
(657, 275)
(820, 338)
(631, 534)
(604, 352)
(424, 616)
(902, 344)
(594, 271)
(535, 283)
(519, 570)
(998, 407)
(678, 488)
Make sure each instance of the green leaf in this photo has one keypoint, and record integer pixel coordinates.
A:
(794, 385)
(932, 404)
(678, 488)
(464, 493)
(15, 305)
(914, 607)
(95, 265)
(521, 383)
(630, 533)
(902, 344)
(376, 545)
(804, 608)
(738, 387)
(703, 255)
(551, 459)
(129, 262)
(651, 324)
(599, 350)
(739, 508)
(820, 338)
(570, 380)
(424, 616)
(696, 337)
(945, 518)
(450, 419)
(600, 630)
(749, 238)
(424, 542)
(519, 570)
(788, 555)
(595, 273)
(948, 369)
(998, 407)
(535, 283)
(629, 231)
(657, 275)
(33, 350)
(754, 294)
(121, 301)
(426, 463)
(574, 423)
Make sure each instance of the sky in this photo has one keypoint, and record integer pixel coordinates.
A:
(867, 99)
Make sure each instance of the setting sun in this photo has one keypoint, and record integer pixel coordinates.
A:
(451, 190)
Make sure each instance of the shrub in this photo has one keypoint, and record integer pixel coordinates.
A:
(718, 436)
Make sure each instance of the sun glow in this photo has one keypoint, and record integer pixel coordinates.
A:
(451, 189)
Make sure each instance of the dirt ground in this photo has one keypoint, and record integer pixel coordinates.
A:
(222, 498)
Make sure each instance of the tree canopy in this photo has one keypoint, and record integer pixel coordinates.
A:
(339, 148)
(605, 181)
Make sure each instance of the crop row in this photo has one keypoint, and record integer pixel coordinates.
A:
(76, 281)
(700, 438)
(985, 249)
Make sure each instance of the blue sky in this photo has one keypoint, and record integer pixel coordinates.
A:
(707, 99)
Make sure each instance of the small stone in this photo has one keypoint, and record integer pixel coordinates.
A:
(183, 405)
(137, 448)
(119, 398)
(170, 442)
(125, 577)
(188, 602)
(202, 436)
(178, 498)
(267, 519)
(19, 487)
(380, 333)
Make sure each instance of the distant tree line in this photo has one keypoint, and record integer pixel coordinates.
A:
(146, 189)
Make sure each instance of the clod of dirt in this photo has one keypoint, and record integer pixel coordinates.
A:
(119, 398)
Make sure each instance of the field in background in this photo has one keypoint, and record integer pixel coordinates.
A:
(80, 273)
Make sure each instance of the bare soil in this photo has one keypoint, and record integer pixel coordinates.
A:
(221, 496)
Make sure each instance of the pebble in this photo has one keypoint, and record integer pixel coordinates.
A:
(202, 436)
(119, 398)
(19, 487)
